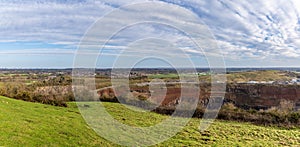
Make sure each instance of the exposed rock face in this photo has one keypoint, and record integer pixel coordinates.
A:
(262, 95)
(256, 96)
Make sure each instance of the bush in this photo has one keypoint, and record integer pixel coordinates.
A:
(294, 118)
(286, 106)
(229, 106)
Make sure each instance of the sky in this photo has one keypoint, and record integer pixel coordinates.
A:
(250, 33)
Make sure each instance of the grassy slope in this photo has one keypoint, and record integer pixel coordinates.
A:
(269, 75)
(31, 124)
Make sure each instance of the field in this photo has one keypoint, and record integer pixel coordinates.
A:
(267, 75)
(33, 124)
(235, 77)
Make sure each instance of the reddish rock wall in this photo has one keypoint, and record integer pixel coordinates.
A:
(257, 96)
(262, 95)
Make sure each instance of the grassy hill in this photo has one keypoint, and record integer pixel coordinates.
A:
(265, 75)
(33, 124)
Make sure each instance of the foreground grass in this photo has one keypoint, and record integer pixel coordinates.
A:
(32, 124)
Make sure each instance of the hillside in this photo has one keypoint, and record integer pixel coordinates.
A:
(33, 124)
(265, 75)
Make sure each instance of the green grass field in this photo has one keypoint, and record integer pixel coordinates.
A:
(32, 124)
(163, 76)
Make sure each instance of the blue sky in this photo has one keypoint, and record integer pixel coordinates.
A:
(46, 34)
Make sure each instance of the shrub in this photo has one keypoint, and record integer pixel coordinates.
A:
(286, 106)
(142, 97)
(294, 117)
(229, 106)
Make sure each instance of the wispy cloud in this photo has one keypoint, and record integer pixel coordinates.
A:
(251, 29)
(245, 30)
(48, 21)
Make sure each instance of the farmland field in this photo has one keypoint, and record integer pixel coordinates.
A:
(33, 124)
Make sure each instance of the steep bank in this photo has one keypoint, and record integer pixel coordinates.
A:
(255, 96)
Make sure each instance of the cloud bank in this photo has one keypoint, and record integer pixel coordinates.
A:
(245, 30)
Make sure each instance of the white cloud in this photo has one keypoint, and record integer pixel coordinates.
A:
(244, 29)
(48, 21)
(46, 51)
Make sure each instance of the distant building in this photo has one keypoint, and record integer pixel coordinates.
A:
(51, 77)
(252, 82)
(295, 81)
(282, 82)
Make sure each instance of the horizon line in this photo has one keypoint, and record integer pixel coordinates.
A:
(66, 68)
